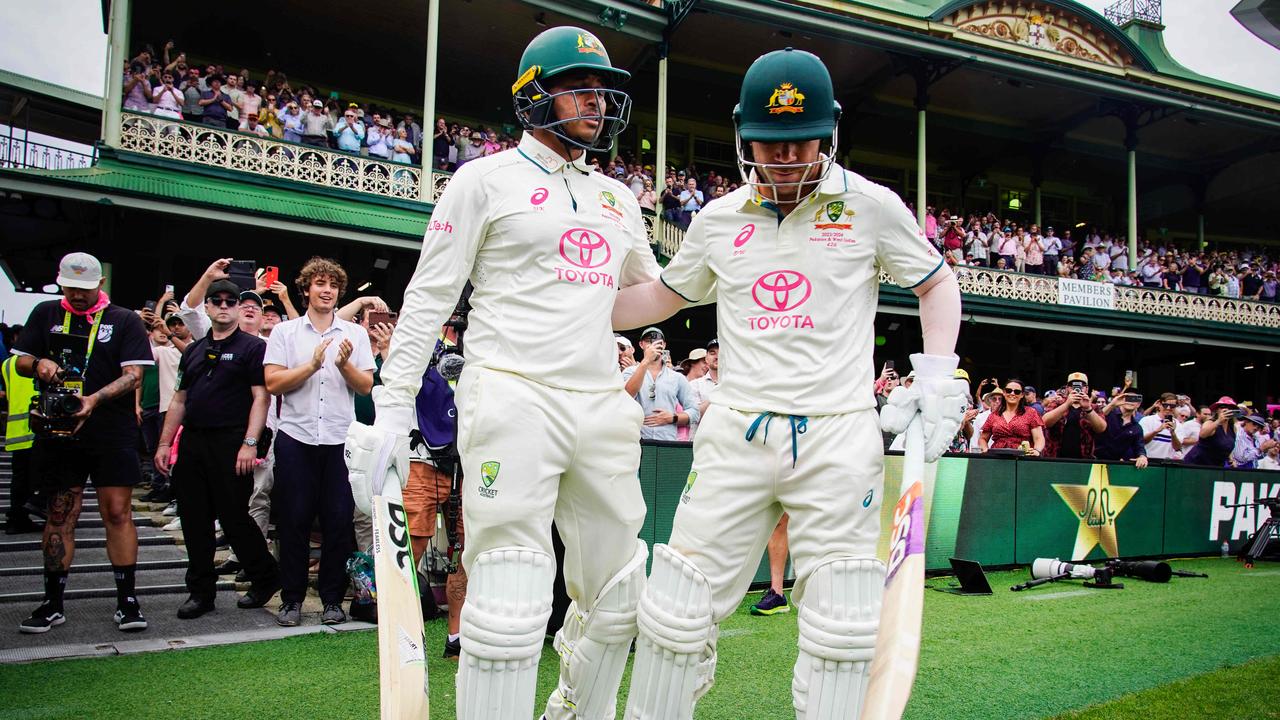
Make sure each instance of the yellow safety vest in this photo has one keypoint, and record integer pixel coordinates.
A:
(19, 390)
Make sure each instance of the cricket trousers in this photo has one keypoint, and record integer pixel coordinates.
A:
(208, 488)
(826, 472)
(310, 482)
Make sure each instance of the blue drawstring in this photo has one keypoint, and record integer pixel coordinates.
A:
(799, 423)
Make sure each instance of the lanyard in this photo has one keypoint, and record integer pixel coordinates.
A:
(93, 333)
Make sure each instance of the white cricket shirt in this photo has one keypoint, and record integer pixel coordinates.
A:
(796, 297)
(546, 244)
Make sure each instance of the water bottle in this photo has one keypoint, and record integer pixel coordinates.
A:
(1226, 549)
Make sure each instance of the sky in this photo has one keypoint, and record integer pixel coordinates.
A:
(61, 41)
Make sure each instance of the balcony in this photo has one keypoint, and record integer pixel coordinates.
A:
(26, 154)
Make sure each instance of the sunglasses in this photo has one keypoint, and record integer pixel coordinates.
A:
(1012, 391)
(1168, 406)
(223, 301)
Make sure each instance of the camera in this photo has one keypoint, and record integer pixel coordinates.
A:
(1077, 385)
(52, 411)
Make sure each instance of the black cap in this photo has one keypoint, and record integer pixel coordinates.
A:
(251, 295)
(651, 334)
(174, 318)
(715, 343)
(222, 286)
(273, 308)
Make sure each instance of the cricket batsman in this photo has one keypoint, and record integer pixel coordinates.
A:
(793, 257)
(545, 429)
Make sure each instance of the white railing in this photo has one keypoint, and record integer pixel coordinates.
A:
(231, 150)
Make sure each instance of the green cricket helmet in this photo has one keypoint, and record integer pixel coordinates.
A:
(562, 50)
(786, 97)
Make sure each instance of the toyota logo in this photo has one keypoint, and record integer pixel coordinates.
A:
(781, 290)
(584, 248)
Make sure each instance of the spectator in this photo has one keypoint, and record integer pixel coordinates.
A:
(931, 226)
(101, 447)
(401, 148)
(884, 385)
(491, 144)
(236, 93)
(168, 99)
(222, 406)
(1071, 421)
(1250, 283)
(626, 352)
(1052, 249)
(379, 137)
(647, 197)
(1160, 432)
(1270, 460)
(1013, 425)
(1269, 287)
(349, 132)
(252, 126)
(291, 122)
(137, 90)
(216, 104)
(658, 388)
(990, 404)
(441, 141)
(703, 383)
(316, 126)
(412, 129)
(317, 363)
(1122, 440)
(977, 243)
(1006, 246)
(1252, 442)
(250, 102)
(636, 180)
(191, 88)
(1032, 400)
(691, 201)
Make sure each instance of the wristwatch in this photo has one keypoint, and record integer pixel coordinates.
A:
(251, 442)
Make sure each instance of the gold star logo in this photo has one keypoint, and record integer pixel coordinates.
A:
(1096, 505)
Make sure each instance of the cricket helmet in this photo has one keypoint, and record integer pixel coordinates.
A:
(786, 96)
(561, 50)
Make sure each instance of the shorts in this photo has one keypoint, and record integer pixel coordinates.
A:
(425, 493)
(65, 464)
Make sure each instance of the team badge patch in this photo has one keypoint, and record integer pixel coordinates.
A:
(104, 332)
(786, 98)
(587, 43)
(688, 485)
(489, 472)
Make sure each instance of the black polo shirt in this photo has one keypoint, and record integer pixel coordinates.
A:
(121, 341)
(218, 376)
(1120, 441)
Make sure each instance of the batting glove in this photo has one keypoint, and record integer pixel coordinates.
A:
(373, 452)
(937, 395)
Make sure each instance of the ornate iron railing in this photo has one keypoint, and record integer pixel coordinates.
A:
(231, 150)
(1124, 11)
(19, 153)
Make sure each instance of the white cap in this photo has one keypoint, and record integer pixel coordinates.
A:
(623, 341)
(80, 270)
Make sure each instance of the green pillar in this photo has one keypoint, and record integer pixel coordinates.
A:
(1133, 208)
(1200, 242)
(660, 161)
(1038, 220)
(117, 54)
(921, 170)
(425, 184)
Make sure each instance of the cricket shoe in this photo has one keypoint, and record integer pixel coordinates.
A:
(129, 617)
(452, 648)
(44, 618)
(771, 604)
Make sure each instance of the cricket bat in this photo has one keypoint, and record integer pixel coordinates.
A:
(893, 668)
(402, 661)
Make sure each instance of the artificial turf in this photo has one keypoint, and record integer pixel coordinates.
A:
(1033, 654)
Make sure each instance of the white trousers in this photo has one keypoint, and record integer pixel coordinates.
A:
(738, 489)
(533, 453)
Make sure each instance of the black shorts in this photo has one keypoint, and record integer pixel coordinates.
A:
(65, 464)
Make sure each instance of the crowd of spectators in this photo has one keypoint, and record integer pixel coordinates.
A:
(1088, 253)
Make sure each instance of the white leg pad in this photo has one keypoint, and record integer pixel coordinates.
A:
(676, 651)
(839, 617)
(594, 645)
(503, 625)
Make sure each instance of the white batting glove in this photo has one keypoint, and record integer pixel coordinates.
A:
(371, 451)
(937, 395)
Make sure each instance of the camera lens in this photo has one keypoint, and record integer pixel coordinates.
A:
(67, 404)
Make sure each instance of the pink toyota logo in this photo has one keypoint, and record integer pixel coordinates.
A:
(584, 248)
(781, 290)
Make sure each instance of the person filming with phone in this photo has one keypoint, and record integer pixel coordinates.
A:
(1123, 438)
(658, 388)
(1217, 435)
(1070, 420)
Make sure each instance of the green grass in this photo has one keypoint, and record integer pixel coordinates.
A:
(1006, 656)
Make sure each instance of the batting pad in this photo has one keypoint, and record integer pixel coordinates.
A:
(594, 645)
(503, 624)
(676, 651)
(839, 617)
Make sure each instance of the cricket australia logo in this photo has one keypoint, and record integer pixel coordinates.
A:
(688, 485)
(779, 292)
(786, 98)
(585, 250)
(488, 476)
(587, 43)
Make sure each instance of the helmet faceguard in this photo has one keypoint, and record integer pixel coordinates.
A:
(758, 174)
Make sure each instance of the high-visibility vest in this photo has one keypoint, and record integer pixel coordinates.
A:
(19, 390)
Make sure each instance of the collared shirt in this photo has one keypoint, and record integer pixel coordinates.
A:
(1245, 453)
(350, 135)
(701, 388)
(662, 393)
(320, 410)
(1121, 440)
(167, 357)
(547, 245)
(219, 376)
(1160, 447)
(800, 291)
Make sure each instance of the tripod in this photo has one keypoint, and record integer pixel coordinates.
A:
(1255, 546)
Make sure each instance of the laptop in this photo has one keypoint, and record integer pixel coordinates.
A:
(972, 580)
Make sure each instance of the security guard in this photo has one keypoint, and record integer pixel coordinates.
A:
(545, 428)
(221, 403)
(18, 439)
(793, 257)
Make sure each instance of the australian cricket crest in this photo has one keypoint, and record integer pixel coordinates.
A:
(786, 98)
(688, 485)
(488, 476)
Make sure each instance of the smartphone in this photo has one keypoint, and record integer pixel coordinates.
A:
(376, 317)
(243, 273)
(666, 357)
(888, 364)
(1077, 385)
(1130, 378)
(150, 305)
(168, 289)
(271, 276)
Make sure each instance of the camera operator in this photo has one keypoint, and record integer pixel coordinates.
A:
(221, 402)
(657, 387)
(1070, 420)
(100, 349)
(1122, 439)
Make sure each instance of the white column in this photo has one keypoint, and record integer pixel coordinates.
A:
(1133, 208)
(425, 184)
(660, 162)
(921, 170)
(113, 87)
